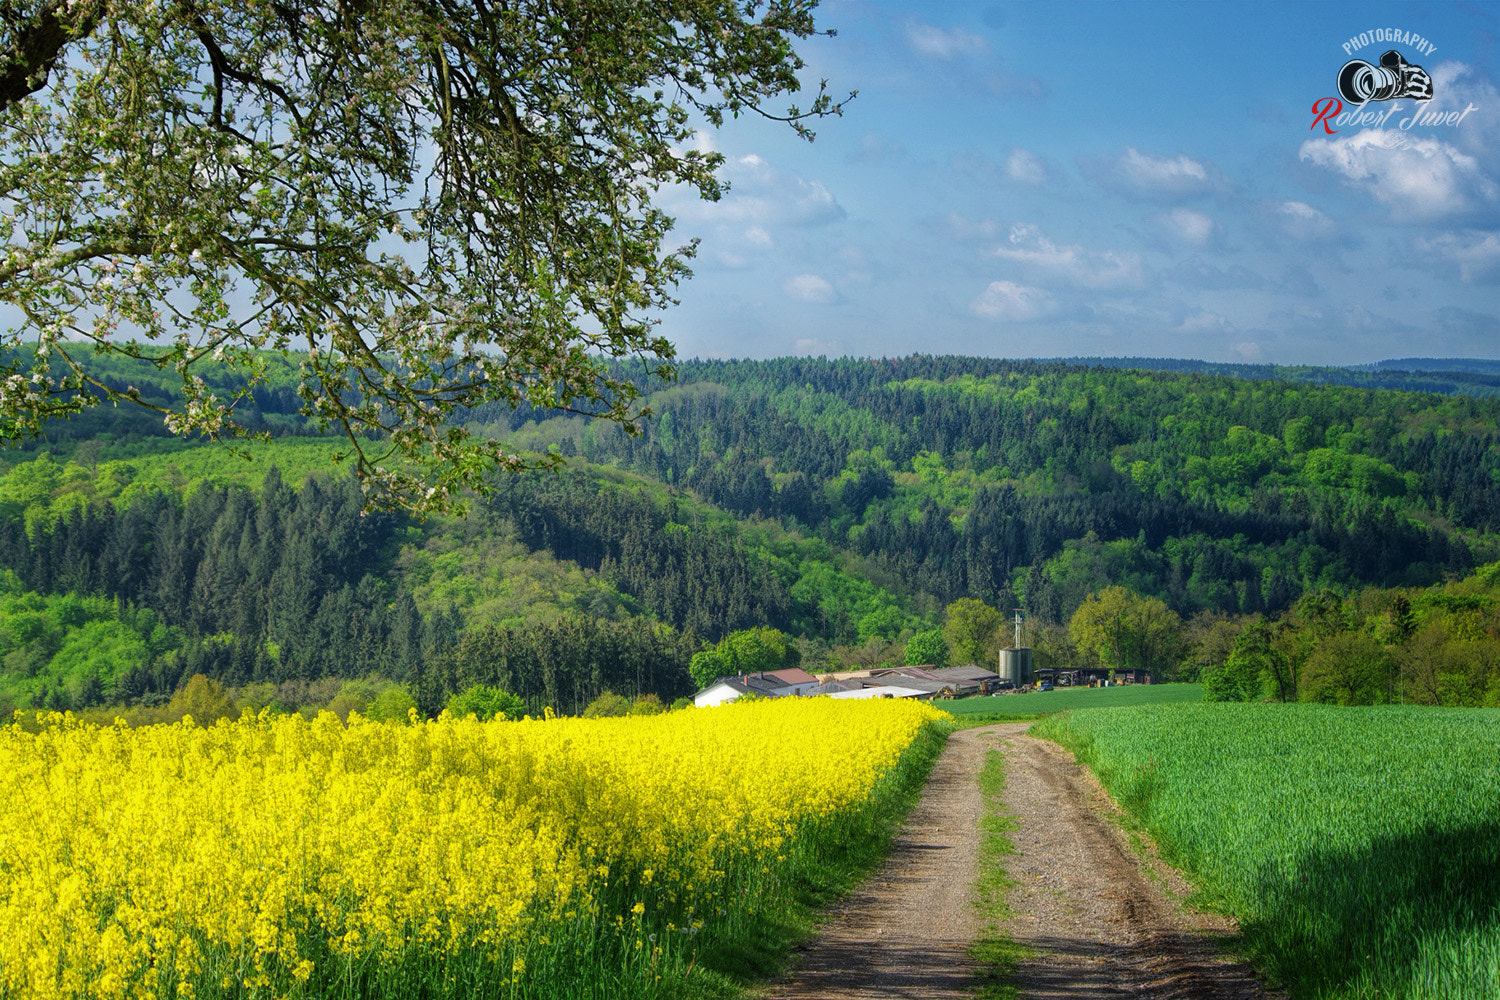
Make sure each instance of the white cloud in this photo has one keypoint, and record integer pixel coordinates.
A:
(1008, 302)
(703, 141)
(1248, 351)
(1358, 319)
(1188, 226)
(1303, 314)
(1466, 324)
(1071, 265)
(1302, 222)
(1197, 273)
(959, 61)
(1419, 177)
(967, 230)
(760, 194)
(1204, 321)
(1163, 171)
(1455, 86)
(1018, 167)
(1297, 279)
(738, 248)
(1023, 167)
(939, 44)
(1476, 255)
(1161, 178)
(875, 148)
(809, 288)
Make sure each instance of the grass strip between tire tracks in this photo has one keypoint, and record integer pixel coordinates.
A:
(994, 950)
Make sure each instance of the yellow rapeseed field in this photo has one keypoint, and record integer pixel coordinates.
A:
(266, 856)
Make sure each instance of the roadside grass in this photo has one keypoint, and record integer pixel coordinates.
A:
(1359, 848)
(983, 710)
(740, 956)
(995, 950)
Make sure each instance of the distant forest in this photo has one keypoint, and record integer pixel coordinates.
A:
(1466, 376)
(844, 502)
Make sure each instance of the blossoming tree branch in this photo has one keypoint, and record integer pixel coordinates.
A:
(427, 205)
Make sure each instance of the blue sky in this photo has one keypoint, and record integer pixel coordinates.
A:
(1043, 180)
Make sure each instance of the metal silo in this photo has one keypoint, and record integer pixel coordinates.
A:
(1015, 660)
(1015, 665)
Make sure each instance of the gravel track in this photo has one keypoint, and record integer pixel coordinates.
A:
(1100, 919)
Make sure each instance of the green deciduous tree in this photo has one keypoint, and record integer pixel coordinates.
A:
(972, 628)
(393, 704)
(424, 204)
(1349, 668)
(927, 647)
(607, 706)
(872, 653)
(102, 650)
(354, 696)
(486, 702)
(1051, 646)
(1254, 667)
(204, 700)
(885, 622)
(706, 666)
(647, 704)
(754, 650)
(1208, 639)
(1128, 631)
(748, 651)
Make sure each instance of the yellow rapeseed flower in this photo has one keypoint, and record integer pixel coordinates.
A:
(159, 861)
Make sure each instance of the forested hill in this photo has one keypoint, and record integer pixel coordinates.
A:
(1034, 482)
(1467, 376)
(844, 502)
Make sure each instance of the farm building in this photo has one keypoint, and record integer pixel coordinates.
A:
(769, 684)
(881, 682)
(864, 687)
(885, 691)
(953, 682)
(960, 680)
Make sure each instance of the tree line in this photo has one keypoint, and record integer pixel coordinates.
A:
(124, 604)
(1428, 646)
(692, 576)
(1016, 480)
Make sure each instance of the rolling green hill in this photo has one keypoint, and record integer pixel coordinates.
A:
(844, 502)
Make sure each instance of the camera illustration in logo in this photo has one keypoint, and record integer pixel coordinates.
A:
(1361, 82)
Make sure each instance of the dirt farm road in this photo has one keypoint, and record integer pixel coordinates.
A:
(1096, 915)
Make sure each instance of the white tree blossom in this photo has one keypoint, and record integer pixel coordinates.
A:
(429, 204)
